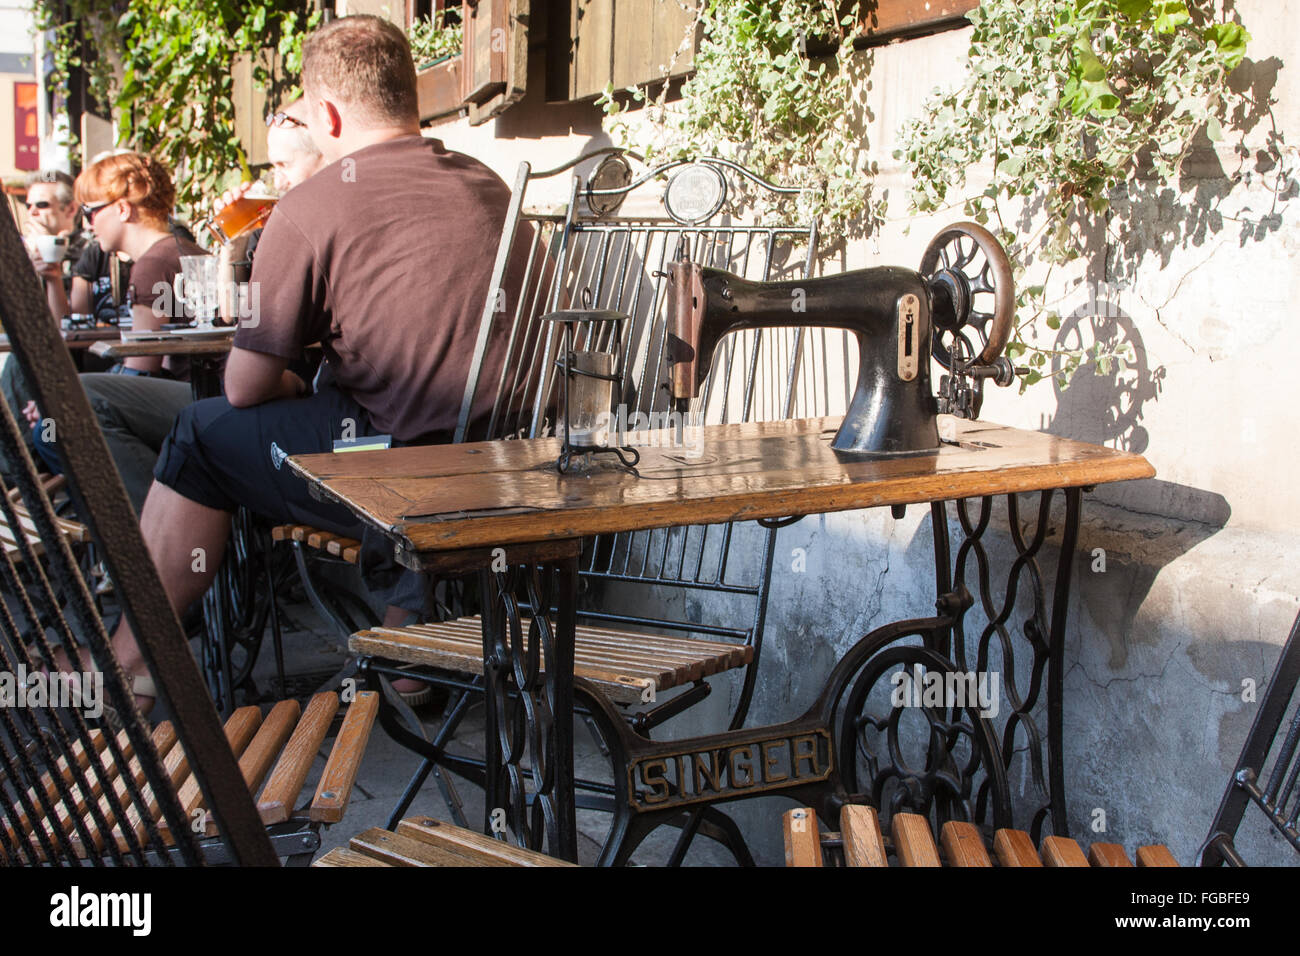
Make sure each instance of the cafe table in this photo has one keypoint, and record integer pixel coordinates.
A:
(78, 338)
(205, 348)
(475, 507)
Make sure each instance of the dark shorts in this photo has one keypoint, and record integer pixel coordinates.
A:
(223, 457)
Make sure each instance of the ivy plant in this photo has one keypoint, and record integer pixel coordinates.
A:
(1067, 101)
(433, 38)
(166, 67)
(759, 97)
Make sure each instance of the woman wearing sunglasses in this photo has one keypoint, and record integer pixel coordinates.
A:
(126, 199)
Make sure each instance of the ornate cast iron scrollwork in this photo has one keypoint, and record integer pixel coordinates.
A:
(527, 760)
(1032, 685)
(951, 780)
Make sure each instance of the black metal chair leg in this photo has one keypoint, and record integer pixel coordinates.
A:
(448, 729)
(412, 788)
(450, 797)
(277, 642)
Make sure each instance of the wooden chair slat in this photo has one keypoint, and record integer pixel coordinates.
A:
(1156, 855)
(281, 792)
(177, 766)
(163, 737)
(962, 845)
(344, 856)
(241, 726)
(913, 844)
(803, 845)
(1108, 854)
(348, 549)
(81, 757)
(1015, 848)
(605, 656)
(471, 845)
(864, 844)
(691, 648)
(398, 850)
(464, 659)
(335, 787)
(265, 747)
(1062, 851)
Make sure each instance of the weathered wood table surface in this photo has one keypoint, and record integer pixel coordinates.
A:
(448, 507)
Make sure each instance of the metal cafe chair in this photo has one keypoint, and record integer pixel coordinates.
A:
(101, 788)
(1267, 772)
(643, 626)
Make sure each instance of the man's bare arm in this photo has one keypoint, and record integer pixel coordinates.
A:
(255, 377)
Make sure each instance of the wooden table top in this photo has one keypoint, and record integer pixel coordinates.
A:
(217, 343)
(446, 497)
(78, 338)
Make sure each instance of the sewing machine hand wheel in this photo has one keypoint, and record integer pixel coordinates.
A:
(968, 263)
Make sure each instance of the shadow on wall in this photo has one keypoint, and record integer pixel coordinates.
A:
(1153, 221)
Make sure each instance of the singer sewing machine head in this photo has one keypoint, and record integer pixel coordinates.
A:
(901, 318)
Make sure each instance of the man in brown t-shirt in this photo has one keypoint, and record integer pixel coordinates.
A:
(385, 257)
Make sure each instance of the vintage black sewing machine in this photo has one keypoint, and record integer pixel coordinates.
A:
(958, 307)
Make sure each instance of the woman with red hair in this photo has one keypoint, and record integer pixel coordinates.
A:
(126, 200)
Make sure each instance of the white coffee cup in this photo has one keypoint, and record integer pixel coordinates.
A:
(52, 248)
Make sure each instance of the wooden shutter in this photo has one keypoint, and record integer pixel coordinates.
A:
(884, 20)
(624, 42)
(494, 67)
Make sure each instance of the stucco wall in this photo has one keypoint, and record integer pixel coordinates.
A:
(1199, 586)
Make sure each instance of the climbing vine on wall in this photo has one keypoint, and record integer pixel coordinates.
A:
(759, 97)
(167, 69)
(1064, 102)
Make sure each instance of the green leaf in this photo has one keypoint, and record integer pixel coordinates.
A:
(1134, 9)
(1010, 167)
(1091, 69)
(1170, 15)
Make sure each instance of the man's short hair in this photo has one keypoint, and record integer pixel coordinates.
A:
(366, 62)
(63, 183)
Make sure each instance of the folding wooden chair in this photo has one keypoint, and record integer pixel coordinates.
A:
(861, 842)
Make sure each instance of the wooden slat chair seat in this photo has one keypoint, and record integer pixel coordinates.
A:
(75, 532)
(628, 666)
(277, 750)
(910, 843)
(423, 841)
(346, 549)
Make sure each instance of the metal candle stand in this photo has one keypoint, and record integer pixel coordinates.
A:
(570, 367)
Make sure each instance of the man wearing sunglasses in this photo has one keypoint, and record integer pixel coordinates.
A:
(51, 211)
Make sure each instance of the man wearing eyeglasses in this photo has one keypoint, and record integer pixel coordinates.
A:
(136, 414)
